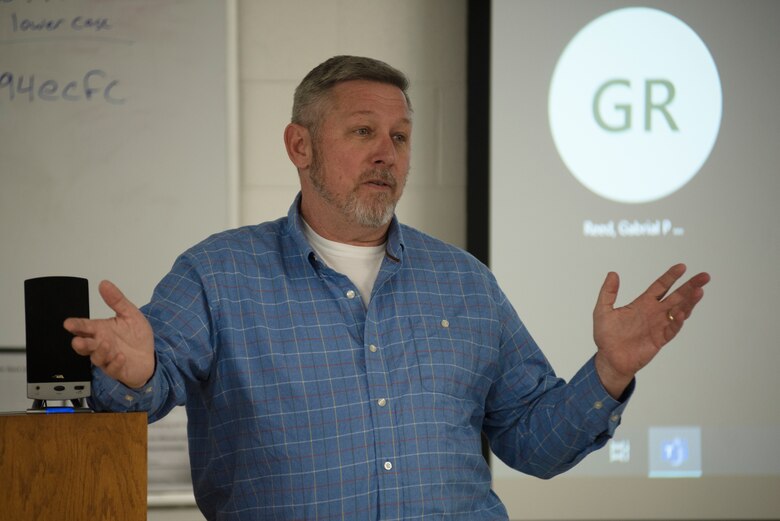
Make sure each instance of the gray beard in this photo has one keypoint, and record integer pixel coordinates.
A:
(373, 213)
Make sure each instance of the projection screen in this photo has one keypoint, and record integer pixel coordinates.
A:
(628, 137)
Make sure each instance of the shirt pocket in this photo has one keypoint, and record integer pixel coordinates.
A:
(454, 357)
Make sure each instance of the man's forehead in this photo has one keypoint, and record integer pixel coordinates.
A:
(362, 96)
(369, 113)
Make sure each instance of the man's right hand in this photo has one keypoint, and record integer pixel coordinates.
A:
(122, 346)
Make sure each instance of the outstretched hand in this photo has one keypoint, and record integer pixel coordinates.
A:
(629, 337)
(122, 346)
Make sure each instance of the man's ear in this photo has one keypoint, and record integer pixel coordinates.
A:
(297, 140)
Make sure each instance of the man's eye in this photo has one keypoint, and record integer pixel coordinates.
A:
(362, 132)
(401, 138)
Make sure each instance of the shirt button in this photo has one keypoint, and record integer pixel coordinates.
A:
(381, 402)
(373, 348)
(598, 405)
(614, 417)
(388, 465)
(445, 323)
(351, 294)
(128, 398)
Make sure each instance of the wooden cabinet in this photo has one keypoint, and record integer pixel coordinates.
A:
(79, 467)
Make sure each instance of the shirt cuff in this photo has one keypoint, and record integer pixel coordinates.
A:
(600, 411)
(111, 395)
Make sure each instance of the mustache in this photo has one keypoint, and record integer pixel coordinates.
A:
(378, 175)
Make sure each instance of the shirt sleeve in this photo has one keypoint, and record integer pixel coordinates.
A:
(536, 422)
(181, 317)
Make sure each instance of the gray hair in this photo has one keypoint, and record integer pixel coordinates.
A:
(316, 86)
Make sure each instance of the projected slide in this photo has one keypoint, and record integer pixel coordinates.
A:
(629, 137)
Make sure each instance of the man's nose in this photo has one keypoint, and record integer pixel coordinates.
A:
(384, 153)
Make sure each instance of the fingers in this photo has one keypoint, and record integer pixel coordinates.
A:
(104, 356)
(661, 286)
(80, 326)
(92, 347)
(699, 280)
(685, 298)
(608, 293)
(101, 354)
(115, 299)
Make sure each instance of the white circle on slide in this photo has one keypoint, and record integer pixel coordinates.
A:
(635, 105)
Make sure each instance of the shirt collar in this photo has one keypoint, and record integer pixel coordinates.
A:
(395, 241)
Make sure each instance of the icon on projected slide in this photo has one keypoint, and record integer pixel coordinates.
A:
(619, 451)
(675, 452)
(635, 105)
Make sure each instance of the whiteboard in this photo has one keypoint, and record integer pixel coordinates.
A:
(113, 142)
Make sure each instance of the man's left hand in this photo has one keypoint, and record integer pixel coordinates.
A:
(629, 337)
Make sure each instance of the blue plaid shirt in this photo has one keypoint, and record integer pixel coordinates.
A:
(303, 404)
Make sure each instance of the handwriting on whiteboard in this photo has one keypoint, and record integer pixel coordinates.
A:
(94, 85)
(21, 24)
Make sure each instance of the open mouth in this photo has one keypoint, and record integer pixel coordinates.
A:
(378, 180)
(379, 183)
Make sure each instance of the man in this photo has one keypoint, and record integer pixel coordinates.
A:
(338, 365)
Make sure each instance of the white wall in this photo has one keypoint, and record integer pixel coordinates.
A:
(279, 41)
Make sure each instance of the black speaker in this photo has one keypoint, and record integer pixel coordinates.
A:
(54, 370)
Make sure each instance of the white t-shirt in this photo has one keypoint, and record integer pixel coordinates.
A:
(360, 263)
